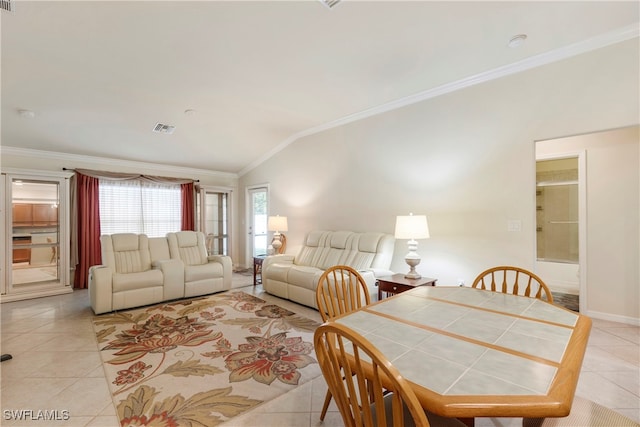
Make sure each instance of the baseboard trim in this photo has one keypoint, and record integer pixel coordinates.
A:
(35, 294)
(613, 317)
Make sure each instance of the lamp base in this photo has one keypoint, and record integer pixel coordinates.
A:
(412, 275)
(412, 261)
(277, 244)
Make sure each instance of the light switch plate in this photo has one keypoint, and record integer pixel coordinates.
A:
(514, 225)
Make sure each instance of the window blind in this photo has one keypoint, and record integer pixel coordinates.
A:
(139, 207)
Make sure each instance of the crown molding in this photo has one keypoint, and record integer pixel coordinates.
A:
(71, 158)
(613, 37)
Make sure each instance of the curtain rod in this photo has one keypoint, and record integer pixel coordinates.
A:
(73, 170)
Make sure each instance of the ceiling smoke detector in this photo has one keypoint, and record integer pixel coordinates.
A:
(162, 128)
(330, 3)
(516, 41)
(26, 114)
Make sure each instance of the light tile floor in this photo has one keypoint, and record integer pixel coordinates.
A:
(56, 366)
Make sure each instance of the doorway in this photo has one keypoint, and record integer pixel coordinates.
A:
(258, 203)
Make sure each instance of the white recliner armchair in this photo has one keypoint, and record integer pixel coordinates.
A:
(131, 275)
(203, 273)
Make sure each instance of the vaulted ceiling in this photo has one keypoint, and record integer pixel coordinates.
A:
(241, 79)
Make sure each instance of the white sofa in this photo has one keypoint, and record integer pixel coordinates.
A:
(296, 277)
(138, 270)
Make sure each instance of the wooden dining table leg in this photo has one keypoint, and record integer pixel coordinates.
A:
(469, 422)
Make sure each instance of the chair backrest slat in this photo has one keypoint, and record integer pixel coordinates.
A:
(341, 289)
(510, 282)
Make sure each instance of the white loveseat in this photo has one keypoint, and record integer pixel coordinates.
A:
(296, 277)
(138, 270)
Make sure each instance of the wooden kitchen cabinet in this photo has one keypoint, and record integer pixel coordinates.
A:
(21, 254)
(34, 214)
(22, 214)
(45, 214)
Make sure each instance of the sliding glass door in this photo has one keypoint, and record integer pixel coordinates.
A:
(214, 218)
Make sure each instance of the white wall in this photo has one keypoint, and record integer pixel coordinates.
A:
(613, 218)
(465, 159)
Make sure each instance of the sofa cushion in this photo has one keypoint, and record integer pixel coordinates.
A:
(361, 260)
(125, 242)
(337, 249)
(279, 271)
(188, 246)
(313, 249)
(341, 239)
(131, 281)
(304, 276)
(191, 256)
(130, 262)
(193, 273)
(131, 253)
(159, 248)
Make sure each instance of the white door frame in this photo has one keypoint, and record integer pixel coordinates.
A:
(4, 245)
(62, 178)
(582, 218)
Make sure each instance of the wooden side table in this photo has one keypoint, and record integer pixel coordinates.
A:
(257, 269)
(397, 283)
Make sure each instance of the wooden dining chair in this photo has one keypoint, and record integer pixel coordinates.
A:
(367, 388)
(54, 251)
(359, 389)
(513, 280)
(341, 289)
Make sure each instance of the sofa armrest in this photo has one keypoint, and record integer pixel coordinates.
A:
(279, 259)
(380, 272)
(173, 277)
(372, 283)
(227, 268)
(101, 288)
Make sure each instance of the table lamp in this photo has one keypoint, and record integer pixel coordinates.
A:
(412, 227)
(277, 224)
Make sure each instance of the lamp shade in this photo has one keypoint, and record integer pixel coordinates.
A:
(277, 223)
(411, 227)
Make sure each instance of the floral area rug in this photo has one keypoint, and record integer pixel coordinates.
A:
(202, 361)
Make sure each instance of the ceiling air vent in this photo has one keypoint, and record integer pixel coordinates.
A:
(6, 5)
(330, 3)
(162, 128)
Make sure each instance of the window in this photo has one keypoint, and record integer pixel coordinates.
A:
(139, 207)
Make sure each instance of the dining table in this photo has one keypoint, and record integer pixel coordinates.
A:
(471, 353)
